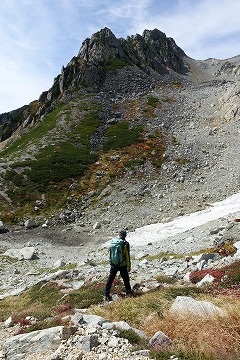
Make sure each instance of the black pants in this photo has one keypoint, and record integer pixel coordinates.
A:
(124, 274)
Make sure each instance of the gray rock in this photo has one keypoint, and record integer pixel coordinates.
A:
(205, 256)
(59, 263)
(3, 229)
(172, 271)
(9, 322)
(216, 230)
(184, 305)
(208, 279)
(160, 342)
(1, 225)
(20, 346)
(26, 253)
(97, 226)
(29, 224)
(92, 320)
(87, 343)
(122, 325)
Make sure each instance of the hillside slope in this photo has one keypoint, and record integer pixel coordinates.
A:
(132, 132)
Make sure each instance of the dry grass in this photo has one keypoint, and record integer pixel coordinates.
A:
(214, 338)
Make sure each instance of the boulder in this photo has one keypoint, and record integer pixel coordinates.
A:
(184, 306)
(29, 224)
(26, 253)
(21, 346)
(205, 257)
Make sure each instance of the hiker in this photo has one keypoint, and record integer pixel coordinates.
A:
(119, 255)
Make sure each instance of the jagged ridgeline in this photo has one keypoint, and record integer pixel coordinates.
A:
(95, 123)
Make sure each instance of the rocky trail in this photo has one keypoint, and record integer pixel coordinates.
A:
(56, 247)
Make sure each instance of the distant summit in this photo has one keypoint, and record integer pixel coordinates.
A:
(153, 49)
(99, 57)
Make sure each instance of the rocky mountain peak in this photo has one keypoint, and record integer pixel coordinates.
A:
(158, 51)
(100, 47)
(152, 48)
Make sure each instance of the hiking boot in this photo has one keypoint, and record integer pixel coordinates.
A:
(130, 294)
(108, 298)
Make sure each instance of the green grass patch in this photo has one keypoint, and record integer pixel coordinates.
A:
(52, 165)
(53, 270)
(58, 163)
(43, 301)
(86, 127)
(133, 163)
(36, 301)
(170, 293)
(164, 279)
(152, 100)
(164, 255)
(86, 296)
(121, 135)
(130, 335)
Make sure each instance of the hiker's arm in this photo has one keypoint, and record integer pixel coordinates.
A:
(129, 259)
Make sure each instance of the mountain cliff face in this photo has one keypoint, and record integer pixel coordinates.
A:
(134, 119)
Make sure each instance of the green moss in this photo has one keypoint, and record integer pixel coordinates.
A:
(48, 294)
(16, 178)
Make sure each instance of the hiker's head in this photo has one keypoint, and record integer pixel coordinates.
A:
(122, 234)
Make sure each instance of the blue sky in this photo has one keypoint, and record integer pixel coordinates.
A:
(38, 37)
